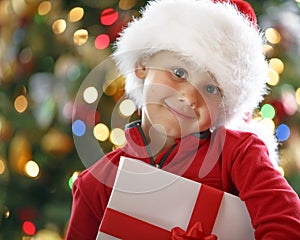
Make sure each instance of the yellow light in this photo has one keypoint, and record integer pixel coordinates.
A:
(268, 51)
(277, 65)
(110, 87)
(80, 36)
(101, 132)
(273, 36)
(273, 77)
(59, 26)
(6, 214)
(127, 4)
(90, 94)
(21, 103)
(32, 169)
(298, 96)
(269, 124)
(281, 170)
(76, 14)
(2, 167)
(117, 137)
(127, 108)
(44, 8)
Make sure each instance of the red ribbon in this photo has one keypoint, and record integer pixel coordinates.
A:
(123, 226)
(194, 233)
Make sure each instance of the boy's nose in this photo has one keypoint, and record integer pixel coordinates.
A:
(191, 96)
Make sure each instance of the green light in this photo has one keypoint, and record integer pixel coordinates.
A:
(268, 111)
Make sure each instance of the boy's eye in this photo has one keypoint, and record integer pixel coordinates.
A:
(212, 89)
(179, 72)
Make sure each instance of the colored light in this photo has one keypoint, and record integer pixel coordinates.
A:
(44, 8)
(32, 169)
(298, 96)
(72, 179)
(283, 132)
(117, 137)
(76, 14)
(80, 37)
(109, 16)
(21, 103)
(90, 94)
(29, 228)
(101, 132)
(102, 41)
(127, 108)
(78, 128)
(277, 65)
(127, 4)
(273, 77)
(273, 36)
(2, 167)
(59, 26)
(268, 111)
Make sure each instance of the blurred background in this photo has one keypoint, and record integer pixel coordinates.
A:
(47, 49)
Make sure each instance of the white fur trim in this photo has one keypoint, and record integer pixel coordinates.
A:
(214, 35)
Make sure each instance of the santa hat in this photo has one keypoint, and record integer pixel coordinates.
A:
(220, 36)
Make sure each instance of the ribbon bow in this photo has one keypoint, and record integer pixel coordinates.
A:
(194, 233)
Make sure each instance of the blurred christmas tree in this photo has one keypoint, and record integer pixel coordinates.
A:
(47, 49)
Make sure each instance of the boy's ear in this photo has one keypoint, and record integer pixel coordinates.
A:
(141, 70)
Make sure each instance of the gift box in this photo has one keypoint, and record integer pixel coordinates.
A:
(150, 204)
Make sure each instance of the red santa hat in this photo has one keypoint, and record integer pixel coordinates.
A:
(220, 36)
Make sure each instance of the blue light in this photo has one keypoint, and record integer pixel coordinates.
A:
(283, 132)
(78, 128)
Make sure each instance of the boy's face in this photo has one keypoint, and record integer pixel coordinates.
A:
(178, 96)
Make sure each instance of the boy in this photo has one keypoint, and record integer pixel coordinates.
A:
(193, 67)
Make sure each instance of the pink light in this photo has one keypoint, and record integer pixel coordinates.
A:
(29, 228)
(102, 41)
(109, 16)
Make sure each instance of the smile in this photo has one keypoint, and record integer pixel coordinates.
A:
(179, 114)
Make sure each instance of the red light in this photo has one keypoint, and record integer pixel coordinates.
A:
(102, 41)
(29, 228)
(109, 16)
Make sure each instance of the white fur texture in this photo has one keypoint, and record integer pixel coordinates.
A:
(214, 35)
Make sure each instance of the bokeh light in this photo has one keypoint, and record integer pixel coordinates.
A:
(268, 124)
(72, 179)
(28, 228)
(268, 111)
(78, 128)
(80, 37)
(283, 132)
(117, 137)
(109, 16)
(273, 77)
(59, 26)
(90, 94)
(110, 87)
(76, 14)
(2, 166)
(44, 8)
(101, 132)
(102, 41)
(273, 36)
(21, 104)
(268, 50)
(32, 169)
(277, 65)
(127, 4)
(297, 94)
(127, 108)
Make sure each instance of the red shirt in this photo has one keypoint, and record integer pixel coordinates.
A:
(233, 161)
